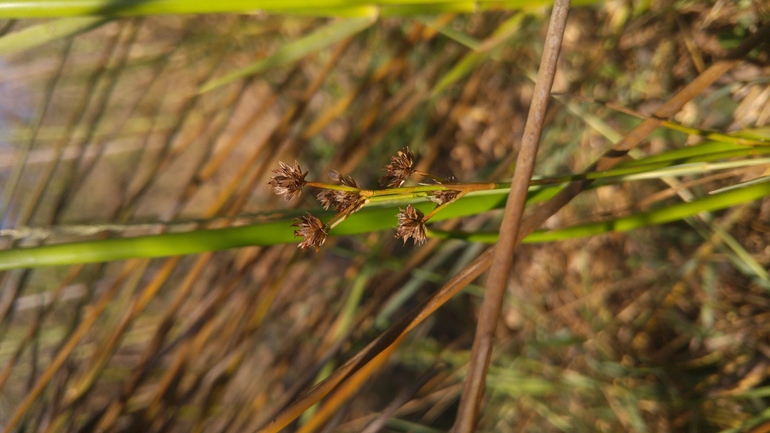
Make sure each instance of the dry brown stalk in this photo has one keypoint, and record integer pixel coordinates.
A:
(483, 342)
(350, 387)
(116, 406)
(105, 351)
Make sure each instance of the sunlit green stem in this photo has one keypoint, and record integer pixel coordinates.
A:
(335, 187)
(462, 187)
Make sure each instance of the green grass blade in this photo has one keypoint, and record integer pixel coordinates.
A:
(43, 9)
(62, 8)
(40, 34)
(290, 53)
(448, 31)
(468, 63)
(707, 151)
(659, 216)
(376, 216)
(369, 219)
(373, 217)
(363, 10)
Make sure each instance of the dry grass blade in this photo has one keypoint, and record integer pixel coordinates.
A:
(390, 337)
(347, 389)
(379, 422)
(33, 203)
(34, 329)
(11, 184)
(65, 351)
(483, 342)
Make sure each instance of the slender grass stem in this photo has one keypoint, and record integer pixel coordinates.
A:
(344, 188)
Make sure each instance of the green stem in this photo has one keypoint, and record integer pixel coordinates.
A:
(335, 187)
(658, 216)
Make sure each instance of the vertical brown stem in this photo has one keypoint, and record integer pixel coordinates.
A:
(470, 401)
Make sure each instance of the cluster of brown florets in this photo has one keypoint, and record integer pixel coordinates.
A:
(346, 197)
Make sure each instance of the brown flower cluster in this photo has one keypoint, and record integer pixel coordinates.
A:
(411, 224)
(399, 169)
(344, 202)
(312, 230)
(289, 180)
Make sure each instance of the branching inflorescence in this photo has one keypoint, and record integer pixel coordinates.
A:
(347, 197)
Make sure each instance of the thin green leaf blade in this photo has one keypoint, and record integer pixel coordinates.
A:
(40, 34)
(290, 53)
(469, 62)
(69, 8)
(659, 216)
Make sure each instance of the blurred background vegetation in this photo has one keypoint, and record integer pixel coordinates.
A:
(145, 125)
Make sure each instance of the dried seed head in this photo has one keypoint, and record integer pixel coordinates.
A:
(444, 196)
(411, 224)
(289, 180)
(343, 201)
(343, 180)
(312, 230)
(328, 198)
(347, 181)
(399, 169)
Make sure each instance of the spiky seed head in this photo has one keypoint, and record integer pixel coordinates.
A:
(411, 224)
(288, 181)
(312, 230)
(342, 201)
(399, 169)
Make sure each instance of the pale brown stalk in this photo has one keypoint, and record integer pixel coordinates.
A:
(470, 401)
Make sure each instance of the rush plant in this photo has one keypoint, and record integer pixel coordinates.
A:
(347, 197)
